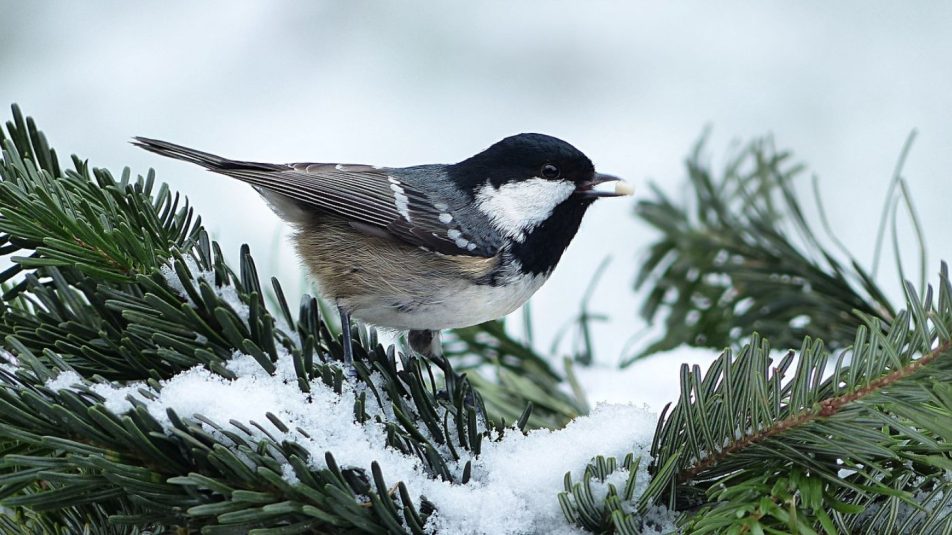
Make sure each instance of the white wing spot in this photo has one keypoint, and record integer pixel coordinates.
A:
(441, 206)
(445, 218)
(460, 241)
(400, 198)
(339, 167)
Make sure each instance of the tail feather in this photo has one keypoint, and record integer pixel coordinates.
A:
(254, 173)
(207, 160)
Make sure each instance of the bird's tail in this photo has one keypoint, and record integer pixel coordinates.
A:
(261, 176)
(207, 160)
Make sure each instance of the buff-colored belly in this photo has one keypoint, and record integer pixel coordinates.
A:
(452, 306)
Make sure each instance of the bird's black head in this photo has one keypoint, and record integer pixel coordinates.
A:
(534, 190)
(524, 157)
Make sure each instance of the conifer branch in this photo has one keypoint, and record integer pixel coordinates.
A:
(740, 256)
(753, 444)
(824, 409)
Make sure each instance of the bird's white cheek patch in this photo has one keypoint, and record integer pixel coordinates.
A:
(518, 207)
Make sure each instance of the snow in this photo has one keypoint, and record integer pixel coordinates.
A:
(515, 481)
(618, 479)
(228, 294)
(115, 397)
(521, 476)
(64, 381)
(8, 361)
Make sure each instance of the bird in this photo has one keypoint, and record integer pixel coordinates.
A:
(427, 247)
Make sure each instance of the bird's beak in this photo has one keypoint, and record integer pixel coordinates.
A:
(587, 189)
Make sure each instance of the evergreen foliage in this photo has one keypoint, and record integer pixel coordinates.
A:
(116, 280)
(739, 256)
(522, 376)
(841, 436)
(618, 508)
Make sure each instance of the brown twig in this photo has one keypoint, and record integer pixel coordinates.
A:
(105, 256)
(824, 409)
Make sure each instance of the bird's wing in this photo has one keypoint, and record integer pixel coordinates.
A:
(370, 198)
(373, 196)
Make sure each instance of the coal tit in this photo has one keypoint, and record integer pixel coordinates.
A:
(427, 247)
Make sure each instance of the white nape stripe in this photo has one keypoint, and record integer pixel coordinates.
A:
(400, 198)
(518, 207)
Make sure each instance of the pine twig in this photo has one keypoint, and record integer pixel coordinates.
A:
(824, 409)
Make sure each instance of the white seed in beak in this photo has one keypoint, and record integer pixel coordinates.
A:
(624, 188)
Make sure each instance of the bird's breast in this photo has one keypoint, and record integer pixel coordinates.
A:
(452, 304)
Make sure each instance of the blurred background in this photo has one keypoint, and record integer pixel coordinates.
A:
(632, 84)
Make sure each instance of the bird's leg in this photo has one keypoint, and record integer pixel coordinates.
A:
(426, 343)
(345, 328)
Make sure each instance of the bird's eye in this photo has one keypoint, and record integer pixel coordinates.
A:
(550, 171)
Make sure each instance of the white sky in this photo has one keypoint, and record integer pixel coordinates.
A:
(630, 83)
